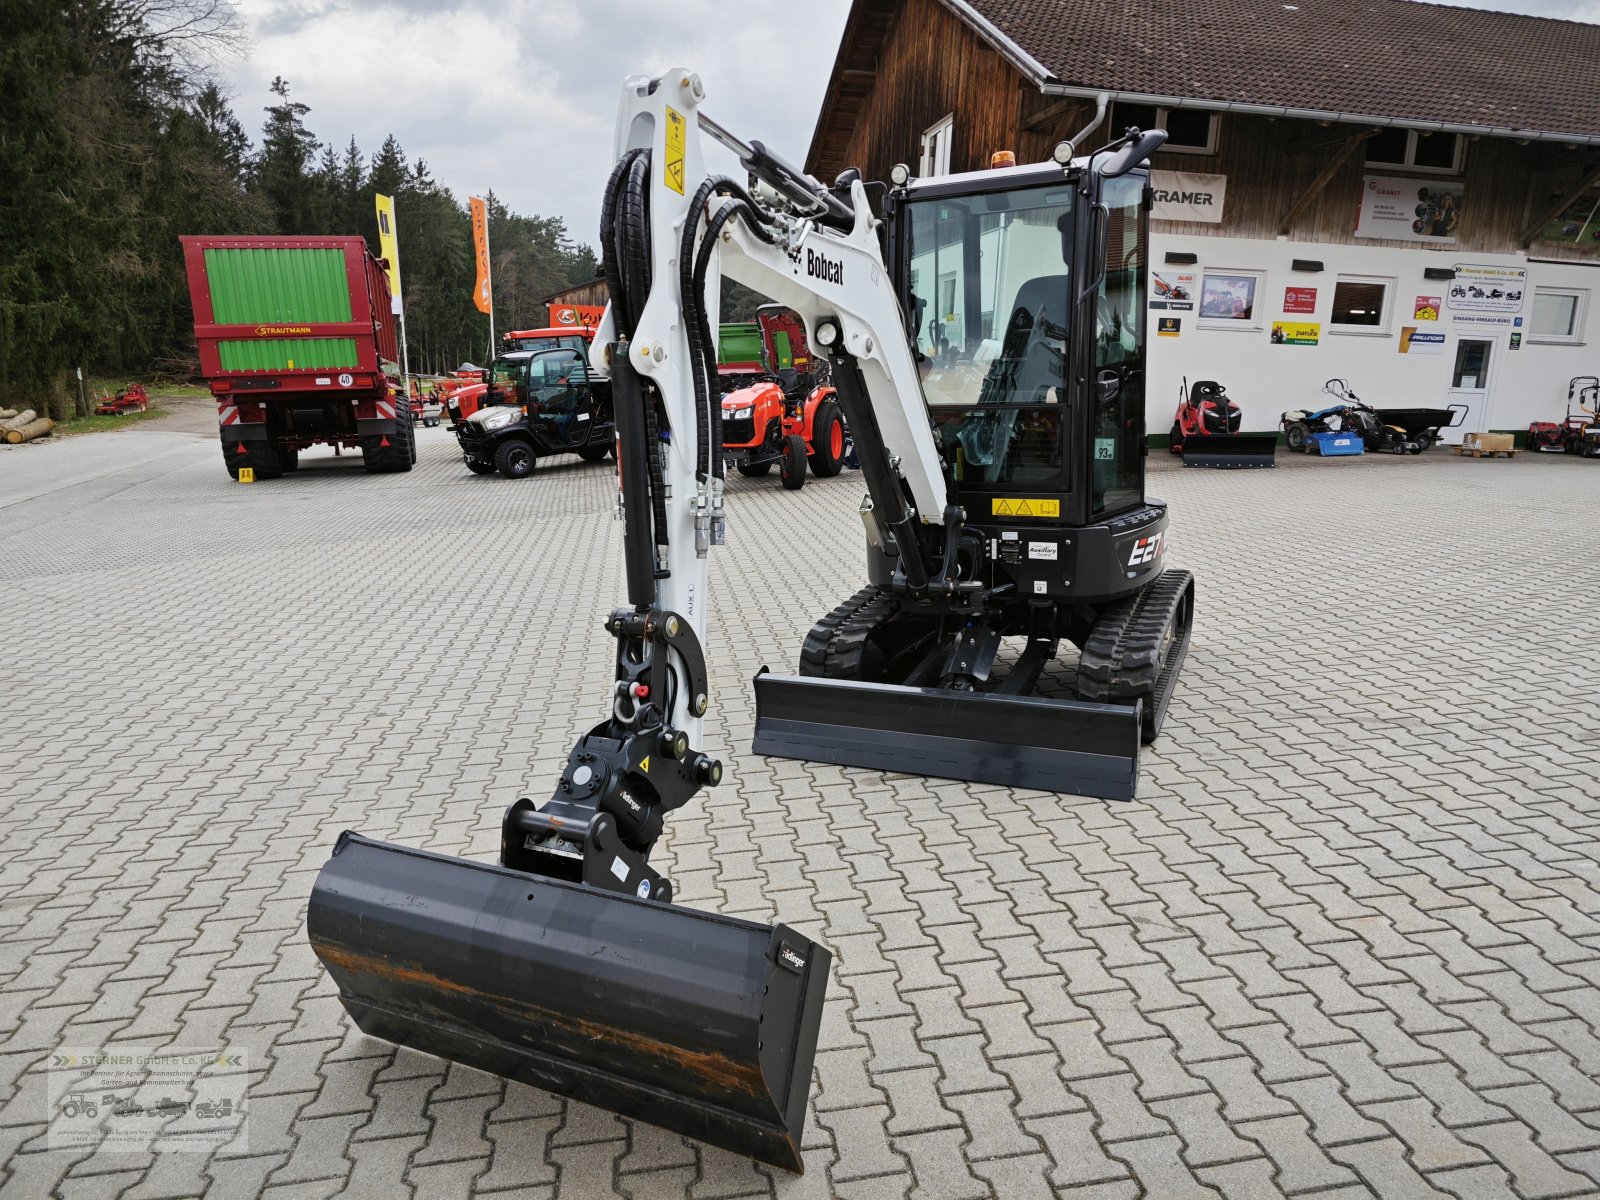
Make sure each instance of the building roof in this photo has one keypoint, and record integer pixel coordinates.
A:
(1394, 61)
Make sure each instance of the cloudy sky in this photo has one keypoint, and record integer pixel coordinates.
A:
(520, 96)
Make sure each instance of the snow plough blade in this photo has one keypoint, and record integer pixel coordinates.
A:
(702, 1024)
(1231, 450)
(985, 737)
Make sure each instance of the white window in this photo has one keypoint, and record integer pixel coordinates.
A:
(1189, 130)
(1360, 305)
(1558, 315)
(1416, 150)
(1231, 299)
(936, 148)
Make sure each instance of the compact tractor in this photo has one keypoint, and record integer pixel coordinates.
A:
(784, 413)
(986, 340)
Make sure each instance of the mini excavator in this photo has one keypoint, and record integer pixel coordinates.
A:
(985, 333)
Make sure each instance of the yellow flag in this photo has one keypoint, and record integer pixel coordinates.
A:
(482, 295)
(389, 243)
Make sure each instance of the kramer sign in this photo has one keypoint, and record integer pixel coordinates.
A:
(1185, 196)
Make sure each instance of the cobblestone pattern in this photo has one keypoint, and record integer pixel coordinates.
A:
(1346, 942)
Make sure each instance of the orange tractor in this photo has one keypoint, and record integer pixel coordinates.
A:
(777, 406)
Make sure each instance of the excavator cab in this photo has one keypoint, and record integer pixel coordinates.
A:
(991, 273)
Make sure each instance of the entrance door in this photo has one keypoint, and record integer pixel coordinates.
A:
(1471, 382)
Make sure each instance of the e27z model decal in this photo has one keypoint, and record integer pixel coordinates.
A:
(1148, 549)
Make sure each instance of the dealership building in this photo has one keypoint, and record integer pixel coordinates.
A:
(1400, 194)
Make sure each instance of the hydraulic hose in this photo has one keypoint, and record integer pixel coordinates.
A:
(625, 259)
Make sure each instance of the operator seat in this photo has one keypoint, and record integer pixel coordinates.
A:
(1033, 349)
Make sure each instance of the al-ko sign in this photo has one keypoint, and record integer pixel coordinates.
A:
(1186, 196)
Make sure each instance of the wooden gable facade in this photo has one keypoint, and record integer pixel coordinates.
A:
(904, 65)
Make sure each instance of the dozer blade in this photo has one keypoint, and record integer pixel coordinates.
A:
(1231, 450)
(705, 1025)
(1018, 741)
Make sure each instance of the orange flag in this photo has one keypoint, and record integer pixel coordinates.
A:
(482, 296)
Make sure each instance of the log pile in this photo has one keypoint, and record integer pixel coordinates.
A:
(24, 426)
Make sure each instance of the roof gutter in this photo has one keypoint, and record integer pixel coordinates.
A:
(1052, 88)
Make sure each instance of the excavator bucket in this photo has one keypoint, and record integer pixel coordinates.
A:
(987, 737)
(702, 1024)
(1231, 450)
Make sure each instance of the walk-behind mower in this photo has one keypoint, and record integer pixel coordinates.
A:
(1579, 433)
(787, 413)
(1008, 501)
(1205, 430)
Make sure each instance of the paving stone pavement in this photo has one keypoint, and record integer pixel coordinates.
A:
(1345, 943)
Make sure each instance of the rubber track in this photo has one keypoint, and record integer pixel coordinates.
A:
(833, 648)
(1122, 660)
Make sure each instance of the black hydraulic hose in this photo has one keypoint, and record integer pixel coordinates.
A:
(625, 259)
(609, 258)
(698, 332)
(755, 220)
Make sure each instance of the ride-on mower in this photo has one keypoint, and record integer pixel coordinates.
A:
(786, 414)
(1018, 509)
(1205, 430)
(1579, 433)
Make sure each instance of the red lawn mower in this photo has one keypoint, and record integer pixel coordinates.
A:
(1205, 430)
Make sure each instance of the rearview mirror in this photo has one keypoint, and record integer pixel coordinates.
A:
(1141, 147)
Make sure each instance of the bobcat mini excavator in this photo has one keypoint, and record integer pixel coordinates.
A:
(989, 357)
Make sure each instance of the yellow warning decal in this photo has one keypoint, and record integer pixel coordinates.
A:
(644, 764)
(1025, 508)
(676, 127)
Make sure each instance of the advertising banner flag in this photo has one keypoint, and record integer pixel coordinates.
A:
(389, 243)
(482, 293)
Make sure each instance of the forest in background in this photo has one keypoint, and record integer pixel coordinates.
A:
(114, 140)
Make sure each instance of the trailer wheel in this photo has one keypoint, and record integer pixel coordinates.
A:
(379, 459)
(754, 470)
(515, 459)
(289, 458)
(1425, 440)
(1297, 435)
(793, 466)
(827, 437)
(411, 445)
